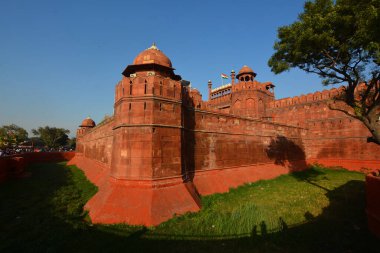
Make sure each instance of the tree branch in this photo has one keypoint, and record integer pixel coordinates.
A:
(334, 63)
(326, 74)
(344, 111)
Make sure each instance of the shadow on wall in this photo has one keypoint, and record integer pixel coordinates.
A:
(188, 138)
(188, 150)
(333, 150)
(286, 152)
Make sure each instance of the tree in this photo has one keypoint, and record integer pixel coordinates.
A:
(36, 142)
(71, 144)
(52, 137)
(339, 41)
(12, 135)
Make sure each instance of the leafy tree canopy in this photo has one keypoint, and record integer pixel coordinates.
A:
(339, 41)
(12, 135)
(52, 137)
(36, 141)
(72, 143)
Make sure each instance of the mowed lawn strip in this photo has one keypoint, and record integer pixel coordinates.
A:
(318, 210)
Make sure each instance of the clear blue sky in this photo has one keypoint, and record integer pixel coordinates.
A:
(60, 60)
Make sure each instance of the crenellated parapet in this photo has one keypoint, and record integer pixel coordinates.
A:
(308, 98)
(148, 84)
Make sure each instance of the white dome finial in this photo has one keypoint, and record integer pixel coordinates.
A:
(153, 46)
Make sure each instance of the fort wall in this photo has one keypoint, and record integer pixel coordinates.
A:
(97, 143)
(164, 144)
(332, 138)
(224, 151)
(223, 140)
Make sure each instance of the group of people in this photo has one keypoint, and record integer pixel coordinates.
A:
(21, 150)
(13, 151)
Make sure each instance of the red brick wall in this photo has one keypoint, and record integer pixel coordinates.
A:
(217, 140)
(14, 166)
(332, 137)
(147, 128)
(97, 143)
(220, 141)
(132, 153)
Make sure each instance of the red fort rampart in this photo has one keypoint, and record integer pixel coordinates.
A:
(164, 145)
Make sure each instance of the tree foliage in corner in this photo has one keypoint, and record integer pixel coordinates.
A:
(52, 137)
(339, 41)
(12, 135)
(72, 143)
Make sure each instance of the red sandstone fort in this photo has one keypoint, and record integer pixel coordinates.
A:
(164, 146)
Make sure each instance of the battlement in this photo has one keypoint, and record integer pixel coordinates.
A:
(308, 98)
(265, 87)
(142, 85)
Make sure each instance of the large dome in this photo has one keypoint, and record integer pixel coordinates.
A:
(246, 70)
(88, 122)
(152, 55)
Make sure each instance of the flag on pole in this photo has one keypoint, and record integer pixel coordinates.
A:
(224, 76)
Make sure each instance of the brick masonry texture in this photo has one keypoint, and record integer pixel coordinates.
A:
(164, 145)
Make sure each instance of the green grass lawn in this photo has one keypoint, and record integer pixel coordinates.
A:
(318, 210)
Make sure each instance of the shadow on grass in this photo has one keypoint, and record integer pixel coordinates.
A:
(340, 228)
(34, 219)
(284, 151)
(312, 176)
